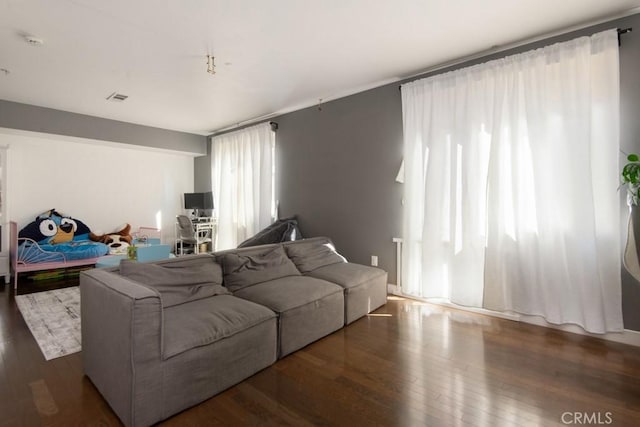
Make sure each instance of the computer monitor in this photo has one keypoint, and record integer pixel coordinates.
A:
(194, 200)
(197, 201)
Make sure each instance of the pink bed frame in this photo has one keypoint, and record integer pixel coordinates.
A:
(54, 259)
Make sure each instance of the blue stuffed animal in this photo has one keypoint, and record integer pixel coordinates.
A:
(53, 227)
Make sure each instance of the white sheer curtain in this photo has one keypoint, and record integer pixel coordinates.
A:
(511, 171)
(242, 175)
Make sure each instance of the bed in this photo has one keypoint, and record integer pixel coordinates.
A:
(27, 255)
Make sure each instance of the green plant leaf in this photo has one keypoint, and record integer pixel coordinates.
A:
(633, 157)
(631, 173)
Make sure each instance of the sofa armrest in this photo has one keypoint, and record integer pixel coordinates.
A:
(121, 342)
(110, 279)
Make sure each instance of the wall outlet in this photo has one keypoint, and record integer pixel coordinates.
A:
(374, 260)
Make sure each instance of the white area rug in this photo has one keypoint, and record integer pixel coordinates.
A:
(54, 320)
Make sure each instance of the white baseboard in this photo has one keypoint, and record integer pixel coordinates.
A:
(626, 337)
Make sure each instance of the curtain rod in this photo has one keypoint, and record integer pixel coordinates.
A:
(471, 58)
(242, 125)
(622, 31)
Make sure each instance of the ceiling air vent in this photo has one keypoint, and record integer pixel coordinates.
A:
(116, 97)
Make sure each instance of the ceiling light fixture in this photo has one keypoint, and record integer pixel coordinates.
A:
(211, 66)
(33, 41)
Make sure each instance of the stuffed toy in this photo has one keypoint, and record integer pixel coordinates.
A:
(52, 227)
(118, 241)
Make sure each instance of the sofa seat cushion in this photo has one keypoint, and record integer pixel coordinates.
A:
(308, 309)
(365, 288)
(347, 275)
(205, 321)
(289, 292)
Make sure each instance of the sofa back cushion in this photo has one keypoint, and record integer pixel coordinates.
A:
(282, 230)
(179, 282)
(242, 269)
(311, 254)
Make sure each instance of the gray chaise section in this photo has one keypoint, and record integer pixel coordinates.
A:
(134, 352)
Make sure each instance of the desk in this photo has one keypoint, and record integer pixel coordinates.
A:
(206, 227)
(204, 235)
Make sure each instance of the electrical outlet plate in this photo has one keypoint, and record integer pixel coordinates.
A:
(374, 260)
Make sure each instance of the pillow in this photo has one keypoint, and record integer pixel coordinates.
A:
(241, 271)
(308, 256)
(177, 284)
(283, 230)
(53, 227)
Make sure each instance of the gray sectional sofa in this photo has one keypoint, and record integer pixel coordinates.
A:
(160, 337)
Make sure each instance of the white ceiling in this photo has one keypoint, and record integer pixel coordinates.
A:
(271, 56)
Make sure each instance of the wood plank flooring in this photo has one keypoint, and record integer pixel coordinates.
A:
(408, 364)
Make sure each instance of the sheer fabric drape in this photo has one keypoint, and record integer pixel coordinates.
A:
(511, 171)
(242, 175)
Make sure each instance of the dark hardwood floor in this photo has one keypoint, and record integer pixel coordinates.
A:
(408, 364)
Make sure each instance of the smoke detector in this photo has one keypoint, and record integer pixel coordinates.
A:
(33, 41)
(116, 97)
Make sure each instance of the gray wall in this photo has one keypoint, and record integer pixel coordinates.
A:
(202, 172)
(336, 167)
(26, 117)
(630, 143)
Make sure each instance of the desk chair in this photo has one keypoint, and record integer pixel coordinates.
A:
(186, 234)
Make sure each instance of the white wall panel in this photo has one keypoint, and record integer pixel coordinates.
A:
(103, 185)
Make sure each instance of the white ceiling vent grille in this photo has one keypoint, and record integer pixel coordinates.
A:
(117, 97)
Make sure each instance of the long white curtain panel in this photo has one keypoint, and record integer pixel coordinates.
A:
(242, 175)
(511, 177)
